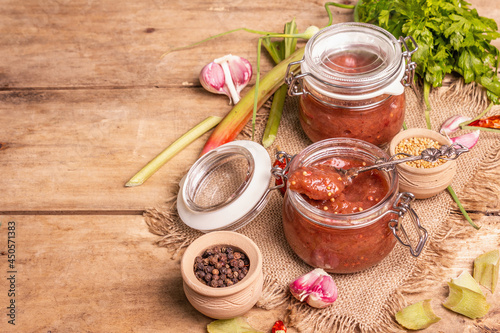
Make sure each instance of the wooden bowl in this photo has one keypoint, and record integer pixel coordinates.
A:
(225, 302)
(423, 183)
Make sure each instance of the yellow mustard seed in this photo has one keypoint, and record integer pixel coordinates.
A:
(415, 146)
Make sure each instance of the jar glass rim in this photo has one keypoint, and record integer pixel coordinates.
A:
(368, 58)
(342, 147)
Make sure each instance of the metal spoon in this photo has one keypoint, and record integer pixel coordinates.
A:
(449, 153)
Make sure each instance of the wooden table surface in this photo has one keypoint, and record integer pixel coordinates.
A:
(85, 102)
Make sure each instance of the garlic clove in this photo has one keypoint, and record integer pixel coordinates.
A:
(299, 288)
(469, 140)
(322, 293)
(241, 72)
(212, 78)
(236, 72)
(452, 124)
(316, 288)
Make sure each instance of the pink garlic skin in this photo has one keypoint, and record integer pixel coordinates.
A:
(316, 288)
(212, 79)
(227, 75)
(451, 124)
(241, 72)
(469, 140)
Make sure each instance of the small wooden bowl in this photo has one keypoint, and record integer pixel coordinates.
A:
(423, 183)
(226, 302)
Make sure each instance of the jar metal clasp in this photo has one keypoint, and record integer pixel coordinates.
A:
(280, 170)
(407, 80)
(293, 81)
(401, 206)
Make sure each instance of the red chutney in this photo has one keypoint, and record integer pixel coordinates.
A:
(324, 188)
(319, 182)
(376, 120)
(350, 233)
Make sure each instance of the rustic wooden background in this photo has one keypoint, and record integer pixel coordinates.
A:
(85, 102)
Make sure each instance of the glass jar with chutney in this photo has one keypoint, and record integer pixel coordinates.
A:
(229, 186)
(352, 82)
(355, 228)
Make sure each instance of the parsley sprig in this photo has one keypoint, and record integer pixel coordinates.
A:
(451, 38)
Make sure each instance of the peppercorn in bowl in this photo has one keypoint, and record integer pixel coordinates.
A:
(423, 179)
(222, 274)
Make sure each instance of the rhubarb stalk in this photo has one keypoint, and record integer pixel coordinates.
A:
(179, 144)
(240, 114)
(287, 46)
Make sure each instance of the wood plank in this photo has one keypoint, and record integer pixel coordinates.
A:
(96, 274)
(75, 150)
(104, 274)
(98, 43)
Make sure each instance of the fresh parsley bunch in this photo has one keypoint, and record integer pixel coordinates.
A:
(450, 36)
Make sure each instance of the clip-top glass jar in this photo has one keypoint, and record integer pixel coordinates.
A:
(352, 83)
(355, 238)
(228, 187)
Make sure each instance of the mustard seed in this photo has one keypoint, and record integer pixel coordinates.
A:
(414, 146)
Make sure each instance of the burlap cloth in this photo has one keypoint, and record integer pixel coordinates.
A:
(367, 300)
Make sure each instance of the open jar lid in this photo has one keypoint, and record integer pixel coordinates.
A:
(226, 188)
(354, 61)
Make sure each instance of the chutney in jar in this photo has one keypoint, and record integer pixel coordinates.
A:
(377, 123)
(352, 84)
(350, 231)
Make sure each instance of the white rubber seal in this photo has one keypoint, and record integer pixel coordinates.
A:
(225, 216)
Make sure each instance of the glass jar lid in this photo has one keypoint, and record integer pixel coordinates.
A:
(352, 59)
(226, 188)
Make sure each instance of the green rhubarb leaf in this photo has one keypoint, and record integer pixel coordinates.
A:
(486, 269)
(417, 316)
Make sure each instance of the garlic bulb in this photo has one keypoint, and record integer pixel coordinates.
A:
(316, 288)
(227, 75)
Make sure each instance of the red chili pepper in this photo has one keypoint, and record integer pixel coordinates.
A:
(279, 181)
(279, 327)
(490, 122)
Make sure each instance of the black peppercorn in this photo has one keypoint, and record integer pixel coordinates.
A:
(221, 266)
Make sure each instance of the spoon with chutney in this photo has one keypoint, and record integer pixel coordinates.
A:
(323, 182)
